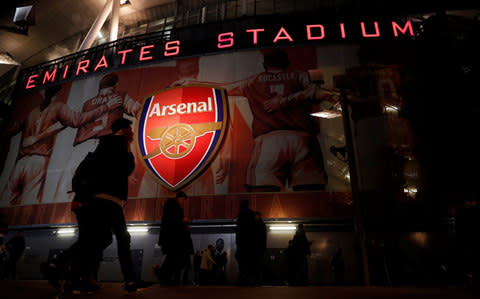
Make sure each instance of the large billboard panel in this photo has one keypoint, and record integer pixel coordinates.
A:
(273, 151)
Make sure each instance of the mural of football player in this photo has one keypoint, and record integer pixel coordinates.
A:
(86, 138)
(286, 152)
(40, 127)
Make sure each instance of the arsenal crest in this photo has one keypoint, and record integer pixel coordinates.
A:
(180, 131)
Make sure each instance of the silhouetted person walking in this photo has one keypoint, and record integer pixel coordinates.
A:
(15, 247)
(338, 267)
(244, 238)
(101, 187)
(173, 239)
(260, 245)
(290, 258)
(467, 226)
(3, 228)
(301, 246)
(197, 260)
(115, 163)
(220, 258)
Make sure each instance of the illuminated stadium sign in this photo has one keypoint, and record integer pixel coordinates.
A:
(210, 41)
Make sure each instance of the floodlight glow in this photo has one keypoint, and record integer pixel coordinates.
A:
(137, 229)
(283, 227)
(327, 114)
(66, 231)
(5, 58)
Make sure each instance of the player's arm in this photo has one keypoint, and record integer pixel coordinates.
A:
(237, 88)
(75, 119)
(131, 107)
(51, 130)
(309, 94)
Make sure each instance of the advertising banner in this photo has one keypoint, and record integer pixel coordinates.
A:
(221, 128)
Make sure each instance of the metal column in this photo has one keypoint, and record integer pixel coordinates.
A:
(97, 25)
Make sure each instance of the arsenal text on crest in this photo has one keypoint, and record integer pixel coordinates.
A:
(182, 108)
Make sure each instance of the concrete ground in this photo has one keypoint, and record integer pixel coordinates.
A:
(41, 289)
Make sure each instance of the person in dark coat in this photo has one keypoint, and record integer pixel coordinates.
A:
(15, 247)
(244, 235)
(220, 257)
(338, 267)
(106, 173)
(187, 257)
(301, 246)
(290, 258)
(467, 225)
(3, 228)
(197, 260)
(109, 185)
(174, 239)
(260, 245)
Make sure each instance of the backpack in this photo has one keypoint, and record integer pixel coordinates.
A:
(84, 178)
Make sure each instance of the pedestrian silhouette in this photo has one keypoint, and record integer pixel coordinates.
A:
(245, 254)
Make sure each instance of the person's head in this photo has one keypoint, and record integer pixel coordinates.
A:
(108, 81)
(122, 126)
(275, 58)
(180, 197)
(220, 244)
(188, 67)
(50, 93)
(243, 205)
(300, 226)
(211, 248)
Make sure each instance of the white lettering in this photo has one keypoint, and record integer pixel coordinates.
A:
(155, 110)
(182, 108)
(191, 108)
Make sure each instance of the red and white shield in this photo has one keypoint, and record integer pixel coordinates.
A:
(180, 131)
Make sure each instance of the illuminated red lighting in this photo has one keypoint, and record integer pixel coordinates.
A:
(226, 37)
(102, 63)
(49, 77)
(65, 71)
(172, 46)
(342, 30)
(145, 50)
(364, 31)
(124, 54)
(255, 34)
(408, 26)
(30, 81)
(309, 32)
(225, 40)
(283, 34)
(82, 66)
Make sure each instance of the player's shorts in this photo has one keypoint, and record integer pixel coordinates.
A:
(26, 181)
(284, 155)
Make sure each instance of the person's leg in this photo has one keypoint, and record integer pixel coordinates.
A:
(119, 228)
(94, 236)
(177, 265)
(187, 267)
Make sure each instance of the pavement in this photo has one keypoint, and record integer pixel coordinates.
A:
(40, 289)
